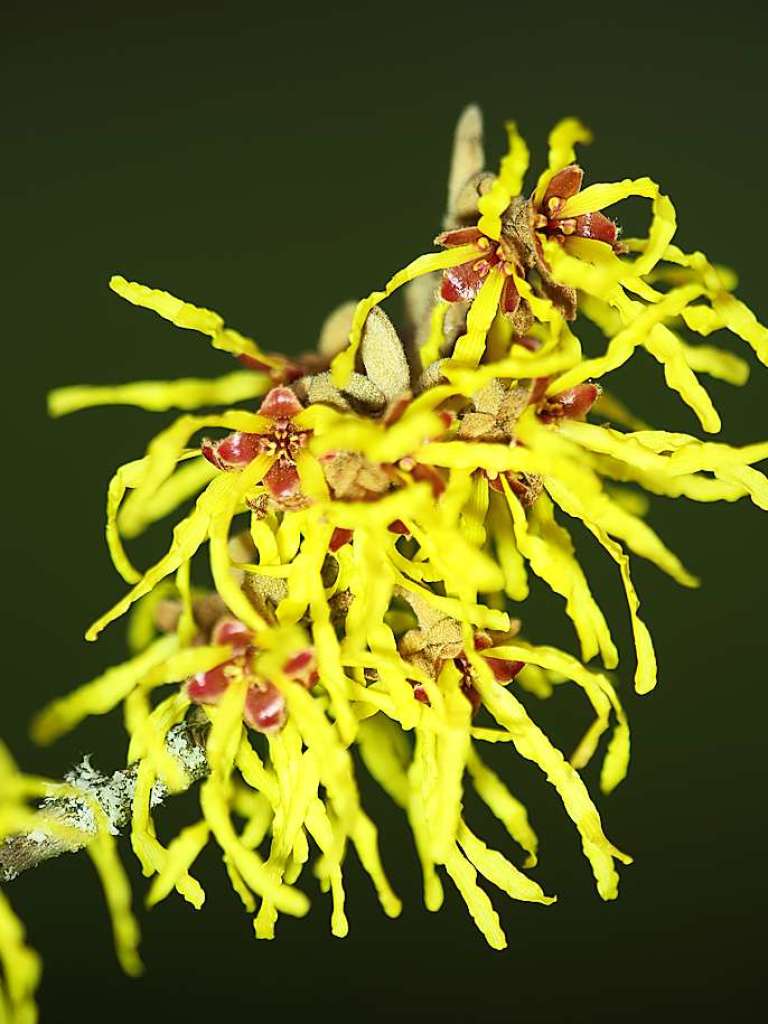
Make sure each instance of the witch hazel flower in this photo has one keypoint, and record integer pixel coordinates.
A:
(283, 438)
(551, 217)
(264, 709)
(512, 245)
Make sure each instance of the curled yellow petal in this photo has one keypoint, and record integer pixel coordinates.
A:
(663, 224)
(645, 675)
(508, 184)
(252, 868)
(498, 870)
(188, 535)
(161, 395)
(550, 554)
(193, 318)
(506, 807)
(182, 853)
(532, 744)
(464, 877)
(101, 694)
(563, 137)
(21, 967)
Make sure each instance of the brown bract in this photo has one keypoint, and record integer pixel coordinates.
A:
(439, 638)
(518, 234)
(495, 410)
(352, 477)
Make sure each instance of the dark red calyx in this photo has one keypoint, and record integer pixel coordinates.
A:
(563, 185)
(282, 480)
(494, 482)
(396, 408)
(280, 404)
(472, 695)
(423, 473)
(419, 692)
(235, 451)
(504, 671)
(282, 373)
(510, 297)
(302, 668)
(461, 236)
(208, 687)
(253, 364)
(597, 226)
(264, 709)
(229, 630)
(532, 344)
(574, 403)
(462, 283)
(482, 641)
(399, 527)
(539, 389)
(339, 538)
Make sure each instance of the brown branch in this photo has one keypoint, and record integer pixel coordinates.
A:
(113, 793)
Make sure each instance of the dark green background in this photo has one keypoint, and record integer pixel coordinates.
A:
(270, 162)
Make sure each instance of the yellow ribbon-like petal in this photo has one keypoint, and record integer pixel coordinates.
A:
(507, 185)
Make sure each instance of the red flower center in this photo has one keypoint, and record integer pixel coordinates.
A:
(264, 708)
(284, 441)
(548, 220)
(462, 283)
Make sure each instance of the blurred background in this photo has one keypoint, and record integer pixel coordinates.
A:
(270, 162)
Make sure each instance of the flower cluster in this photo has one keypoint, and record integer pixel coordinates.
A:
(371, 528)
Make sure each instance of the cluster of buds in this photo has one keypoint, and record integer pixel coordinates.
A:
(264, 708)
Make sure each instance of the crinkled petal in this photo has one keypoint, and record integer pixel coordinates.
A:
(663, 224)
(506, 807)
(469, 348)
(161, 395)
(533, 745)
(550, 554)
(188, 535)
(508, 184)
(498, 870)
(464, 877)
(193, 318)
(645, 675)
(100, 695)
(563, 137)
